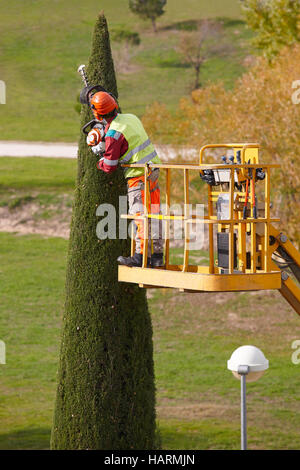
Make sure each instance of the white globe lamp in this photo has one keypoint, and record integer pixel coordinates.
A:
(249, 356)
(247, 364)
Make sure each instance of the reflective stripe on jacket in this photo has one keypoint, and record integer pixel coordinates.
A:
(140, 148)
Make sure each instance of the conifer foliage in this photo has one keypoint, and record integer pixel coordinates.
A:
(105, 394)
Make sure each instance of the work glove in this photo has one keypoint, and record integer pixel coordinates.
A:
(208, 177)
(99, 149)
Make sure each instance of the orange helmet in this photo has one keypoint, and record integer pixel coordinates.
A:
(103, 103)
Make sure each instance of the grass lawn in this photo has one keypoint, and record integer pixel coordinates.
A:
(48, 183)
(42, 47)
(194, 335)
(51, 174)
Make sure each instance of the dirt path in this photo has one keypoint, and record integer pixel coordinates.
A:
(69, 150)
(37, 149)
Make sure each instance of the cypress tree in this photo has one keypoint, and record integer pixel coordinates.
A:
(105, 394)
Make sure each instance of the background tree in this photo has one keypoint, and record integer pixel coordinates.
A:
(276, 23)
(105, 394)
(125, 45)
(196, 47)
(148, 9)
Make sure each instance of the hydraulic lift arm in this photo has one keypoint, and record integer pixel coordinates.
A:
(287, 258)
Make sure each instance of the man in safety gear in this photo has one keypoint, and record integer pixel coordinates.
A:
(126, 141)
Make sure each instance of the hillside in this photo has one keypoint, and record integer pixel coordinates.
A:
(44, 42)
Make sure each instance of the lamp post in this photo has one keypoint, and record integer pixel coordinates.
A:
(247, 364)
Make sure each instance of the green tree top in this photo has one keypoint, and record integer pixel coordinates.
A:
(276, 23)
(148, 9)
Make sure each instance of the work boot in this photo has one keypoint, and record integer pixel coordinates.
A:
(133, 261)
(157, 260)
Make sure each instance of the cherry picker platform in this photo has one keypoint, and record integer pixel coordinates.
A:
(246, 252)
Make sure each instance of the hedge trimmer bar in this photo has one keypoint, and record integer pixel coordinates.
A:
(85, 95)
(89, 90)
(81, 70)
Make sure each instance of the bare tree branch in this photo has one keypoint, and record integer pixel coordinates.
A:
(196, 47)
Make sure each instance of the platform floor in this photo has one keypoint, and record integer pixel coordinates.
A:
(198, 281)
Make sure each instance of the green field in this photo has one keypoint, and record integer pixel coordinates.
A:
(42, 46)
(194, 336)
(49, 174)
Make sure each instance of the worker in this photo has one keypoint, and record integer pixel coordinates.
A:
(126, 141)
